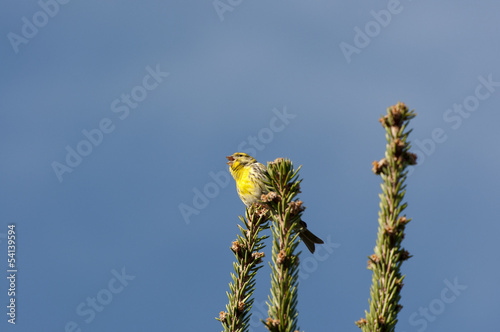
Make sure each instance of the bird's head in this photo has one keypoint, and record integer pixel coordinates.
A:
(240, 158)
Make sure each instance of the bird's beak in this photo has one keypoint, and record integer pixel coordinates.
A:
(231, 160)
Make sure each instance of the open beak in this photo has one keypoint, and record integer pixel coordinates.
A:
(231, 160)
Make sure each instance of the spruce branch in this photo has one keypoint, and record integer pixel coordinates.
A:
(389, 255)
(285, 214)
(248, 252)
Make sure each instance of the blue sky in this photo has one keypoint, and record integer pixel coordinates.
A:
(117, 115)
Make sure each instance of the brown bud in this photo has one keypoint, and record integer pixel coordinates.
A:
(361, 323)
(272, 322)
(372, 261)
(295, 207)
(378, 166)
(222, 316)
(270, 197)
(389, 229)
(396, 112)
(261, 210)
(384, 120)
(375, 258)
(281, 257)
(258, 256)
(403, 221)
(236, 247)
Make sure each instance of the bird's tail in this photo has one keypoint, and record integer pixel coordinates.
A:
(308, 237)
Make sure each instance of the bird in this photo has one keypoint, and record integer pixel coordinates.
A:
(249, 176)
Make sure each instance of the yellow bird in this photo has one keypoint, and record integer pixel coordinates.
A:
(249, 176)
